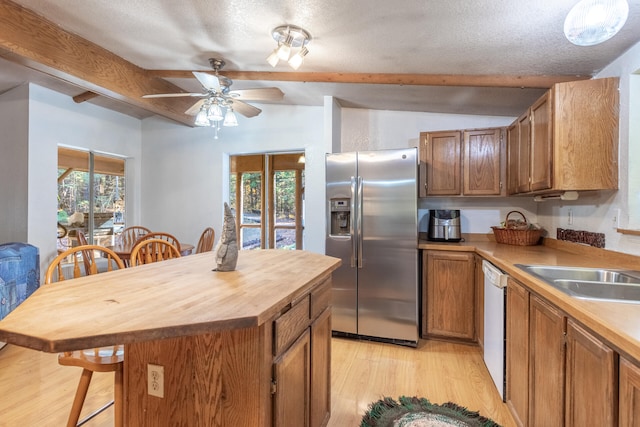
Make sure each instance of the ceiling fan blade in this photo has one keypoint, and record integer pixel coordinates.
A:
(245, 109)
(260, 94)
(193, 110)
(173, 95)
(210, 82)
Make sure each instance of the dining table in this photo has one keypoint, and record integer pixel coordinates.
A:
(123, 250)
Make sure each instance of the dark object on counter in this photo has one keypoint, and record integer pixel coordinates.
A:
(444, 225)
(580, 236)
(517, 232)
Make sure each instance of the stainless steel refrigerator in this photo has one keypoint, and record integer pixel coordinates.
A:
(372, 226)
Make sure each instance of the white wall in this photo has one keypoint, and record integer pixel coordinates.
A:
(14, 164)
(595, 213)
(55, 119)
(186, 173)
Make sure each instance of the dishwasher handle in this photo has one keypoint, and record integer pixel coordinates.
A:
(494, 275)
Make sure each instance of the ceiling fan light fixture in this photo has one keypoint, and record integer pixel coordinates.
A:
(297, 59)
(201, 117)
(230, 118)
(289, 37)
(215, 113)
(591, 22)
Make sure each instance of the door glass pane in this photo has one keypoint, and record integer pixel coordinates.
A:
(250, 238)
(285, 238)
(251, 198)
(285, 197)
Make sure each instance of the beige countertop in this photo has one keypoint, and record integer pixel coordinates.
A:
(617, 323)
(173, 298)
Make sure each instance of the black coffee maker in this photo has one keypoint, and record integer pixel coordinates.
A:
(444, 225)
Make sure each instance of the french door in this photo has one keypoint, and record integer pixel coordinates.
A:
(267, 197)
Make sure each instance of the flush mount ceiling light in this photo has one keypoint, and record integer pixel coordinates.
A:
(289, 38)
(594, 21)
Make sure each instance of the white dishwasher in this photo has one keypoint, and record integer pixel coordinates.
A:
(495, 283)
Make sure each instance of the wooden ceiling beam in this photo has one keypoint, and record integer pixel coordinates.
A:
(506, 81)
(35, 42)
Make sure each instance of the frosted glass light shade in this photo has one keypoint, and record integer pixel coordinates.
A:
(230, 118)
(297, 59)
(201, 118)
(215, 113)
(591, 22)
(273, 59)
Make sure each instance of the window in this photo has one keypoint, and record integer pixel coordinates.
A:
(267, 199)
(91, 194)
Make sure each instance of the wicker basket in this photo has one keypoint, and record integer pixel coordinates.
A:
(517, 232)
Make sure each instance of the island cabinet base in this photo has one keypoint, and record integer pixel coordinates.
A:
(220, 379)
(275, 374)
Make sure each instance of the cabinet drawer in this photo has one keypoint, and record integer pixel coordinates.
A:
(289, 326)
(320, 298)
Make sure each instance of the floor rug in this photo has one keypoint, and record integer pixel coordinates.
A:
(419, 412)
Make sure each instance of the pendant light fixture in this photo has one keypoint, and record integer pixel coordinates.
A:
(289, 38)
(591, 22)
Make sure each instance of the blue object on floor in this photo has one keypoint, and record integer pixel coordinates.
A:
(19, 274)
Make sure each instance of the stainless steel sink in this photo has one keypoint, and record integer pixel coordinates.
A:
(600, 284)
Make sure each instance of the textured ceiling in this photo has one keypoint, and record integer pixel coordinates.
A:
(498, 37)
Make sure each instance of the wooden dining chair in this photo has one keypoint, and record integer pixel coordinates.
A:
(103, 359)
(159, 235)
(205, 244)
(152, 250)
(130, 235)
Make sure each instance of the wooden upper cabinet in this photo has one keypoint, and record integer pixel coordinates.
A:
(482, 159)
(440, 152)
(454, 163)
(567, 140)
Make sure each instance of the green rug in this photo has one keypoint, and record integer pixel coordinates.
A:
(419, 412)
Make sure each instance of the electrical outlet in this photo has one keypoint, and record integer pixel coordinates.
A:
(155, 380)
(616, 219)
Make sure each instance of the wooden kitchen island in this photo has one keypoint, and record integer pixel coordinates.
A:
(244, 348)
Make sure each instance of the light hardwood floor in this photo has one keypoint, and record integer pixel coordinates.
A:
(36, 391)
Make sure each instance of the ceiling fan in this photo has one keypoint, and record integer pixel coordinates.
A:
(218, 95)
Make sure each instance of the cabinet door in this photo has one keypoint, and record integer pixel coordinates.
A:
(541, 143)
(442, 160)
(481, 166)
(629, 394)
(291, 376)
(320, 398)
(524, 154)
(591, 383)
(513, 155)
(546, 364)
(450, 295)
(517, 335)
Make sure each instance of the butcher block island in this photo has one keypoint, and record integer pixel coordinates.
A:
(249, 347)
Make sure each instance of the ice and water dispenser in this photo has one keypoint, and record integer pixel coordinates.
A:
(340, 216)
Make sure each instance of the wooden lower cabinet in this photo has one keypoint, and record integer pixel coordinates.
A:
(291, 380)
(273, 375)
(517, 352)
(561, 374)
(449, 297)
(629, 408)
(591, 381)
(546, 364)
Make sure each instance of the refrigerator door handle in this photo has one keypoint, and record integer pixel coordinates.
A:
(352, 226)
(359, 221)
